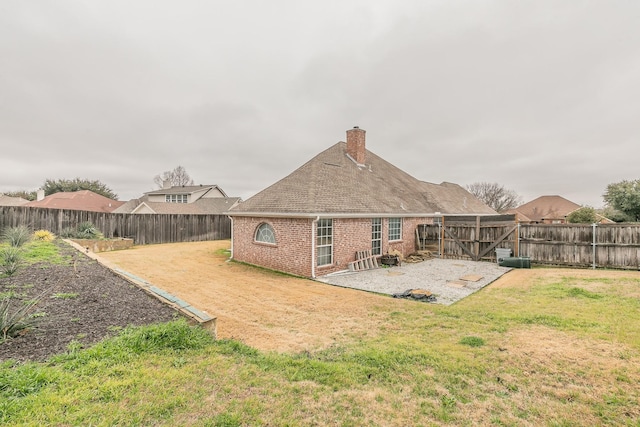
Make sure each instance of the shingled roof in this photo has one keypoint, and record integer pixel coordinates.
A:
(82, 200)
(545, 208)
(210, 206)
(333, 182)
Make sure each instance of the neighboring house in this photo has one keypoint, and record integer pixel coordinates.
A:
(83, 200)
(12, 201)
(346, 199)
(547, 210)
(184, 199)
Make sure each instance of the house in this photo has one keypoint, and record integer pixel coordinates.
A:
(83, 200)
(182, 199)
(12, 201)
(548, 210)
(344, 200)
(545, 210)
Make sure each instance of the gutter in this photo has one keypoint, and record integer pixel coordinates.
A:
(231, 218)
(348, 215)
(313, 246)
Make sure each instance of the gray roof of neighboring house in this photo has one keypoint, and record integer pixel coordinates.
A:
(12, 201)
(211, 206)
(332, 183)
(184, 189)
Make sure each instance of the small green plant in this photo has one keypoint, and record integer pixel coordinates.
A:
(10, 259)
(68, 233)
(16, 236)
(44, 235)
(472, 341)
(86, 230)
(14, 321)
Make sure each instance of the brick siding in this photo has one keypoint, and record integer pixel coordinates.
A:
(292, 251)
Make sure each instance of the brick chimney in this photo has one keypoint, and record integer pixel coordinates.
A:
(355, 144)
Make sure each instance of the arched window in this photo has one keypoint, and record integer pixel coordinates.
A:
(265, 234)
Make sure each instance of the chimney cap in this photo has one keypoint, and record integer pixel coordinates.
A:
(356, 127)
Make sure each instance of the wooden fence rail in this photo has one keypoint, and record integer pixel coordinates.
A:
(580, 245)
(142, 228)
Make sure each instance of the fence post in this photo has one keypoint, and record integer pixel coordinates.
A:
(594, 225)
(517, 245)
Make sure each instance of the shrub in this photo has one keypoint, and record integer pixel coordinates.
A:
(68, 233)
(10, 259)
(16, 236)
(15, 321)
(44, 235)
(85, 230)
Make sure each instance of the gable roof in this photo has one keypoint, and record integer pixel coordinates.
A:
(333, 183)
(83, 200)
(186, 189)
(546, 208)
(12, 201)
(204, 206)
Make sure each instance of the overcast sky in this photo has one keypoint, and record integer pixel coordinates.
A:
(542, 97)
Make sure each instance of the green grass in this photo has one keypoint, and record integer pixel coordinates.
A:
(553, 352)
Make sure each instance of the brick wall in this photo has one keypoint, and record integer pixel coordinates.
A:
(292, 251)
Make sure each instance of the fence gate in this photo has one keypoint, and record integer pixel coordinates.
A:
(469, 237)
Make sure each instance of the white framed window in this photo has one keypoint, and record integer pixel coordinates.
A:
(265, 234)
(376, 236)
(324, 242)
(395, 228)
(175, 198)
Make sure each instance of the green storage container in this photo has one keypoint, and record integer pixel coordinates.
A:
(516, 262)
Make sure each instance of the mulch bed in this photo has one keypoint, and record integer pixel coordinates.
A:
(81, 301)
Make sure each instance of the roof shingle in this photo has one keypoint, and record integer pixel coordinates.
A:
(332, 183)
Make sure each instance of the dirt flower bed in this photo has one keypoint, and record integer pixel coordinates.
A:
(80, 302)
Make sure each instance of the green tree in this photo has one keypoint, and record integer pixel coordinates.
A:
(69, 185)
(176, 177)
(584, 215)
(625, 197)
(495, 195)
(615, 215)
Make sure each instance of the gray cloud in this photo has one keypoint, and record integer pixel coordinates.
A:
(540, 96)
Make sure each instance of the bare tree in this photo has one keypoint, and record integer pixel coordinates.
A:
(495, 195)
(176, 177)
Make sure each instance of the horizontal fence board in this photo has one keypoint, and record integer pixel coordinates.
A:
(144, 229)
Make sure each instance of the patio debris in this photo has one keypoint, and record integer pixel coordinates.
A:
(364, 261)
(419, 256)
(417, 294)
(457, 283)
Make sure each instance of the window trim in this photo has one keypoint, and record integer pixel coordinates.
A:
(324, 240)
(399, 229)
(376, 236)
(176, 198)
(258, 233)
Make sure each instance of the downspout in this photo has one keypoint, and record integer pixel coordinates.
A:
(313, 246)
(231, 218)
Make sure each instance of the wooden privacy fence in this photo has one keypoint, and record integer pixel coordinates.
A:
(593, 245)
(468, 237)
(580, 245)
(142, 228)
